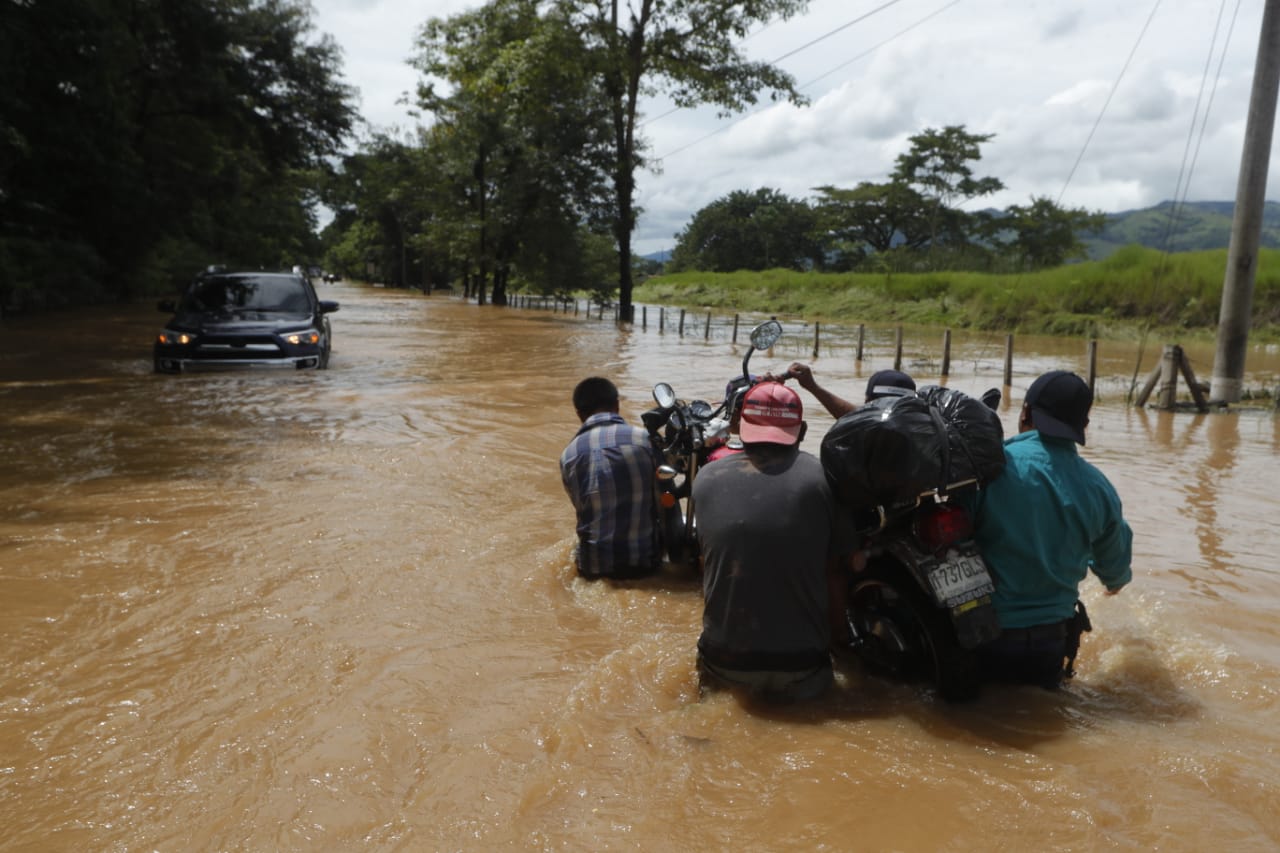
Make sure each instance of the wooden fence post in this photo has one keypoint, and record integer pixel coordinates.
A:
(862, 335)
(735, 328)
(816, 326)
(897, 351)
(1168, 377)
(662, 319)
(1008, 360)
(1093, 364)
(946, 353)
(1147, 387)
(682, 322)
(706, 330)
(1197, 393)
(644, 318)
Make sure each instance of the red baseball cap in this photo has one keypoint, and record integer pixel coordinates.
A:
(771, 413)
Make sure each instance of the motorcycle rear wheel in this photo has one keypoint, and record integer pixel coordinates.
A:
(899, 633)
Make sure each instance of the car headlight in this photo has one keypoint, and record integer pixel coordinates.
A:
(310, 336)
(171, 336)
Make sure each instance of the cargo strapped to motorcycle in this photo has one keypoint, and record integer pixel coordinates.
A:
(941, 426)
(1078, 624)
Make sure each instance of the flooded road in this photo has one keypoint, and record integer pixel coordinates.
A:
(266, 610)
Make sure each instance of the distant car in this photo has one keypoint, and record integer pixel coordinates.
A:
(245, 318)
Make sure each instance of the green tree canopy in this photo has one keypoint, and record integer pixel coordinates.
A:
(872, 218)
(522, 126)
(1043, 234)
(937, 167)
(140, 139)
(750, 231)
(688, 49)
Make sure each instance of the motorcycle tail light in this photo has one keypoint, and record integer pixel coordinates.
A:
(941, 525)
(667, 500)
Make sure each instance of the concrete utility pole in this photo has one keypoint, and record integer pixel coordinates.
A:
(1246, 224)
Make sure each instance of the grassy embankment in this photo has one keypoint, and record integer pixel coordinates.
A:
(1135, 290)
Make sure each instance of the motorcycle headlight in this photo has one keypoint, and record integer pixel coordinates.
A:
(310, 336)
(173, 336)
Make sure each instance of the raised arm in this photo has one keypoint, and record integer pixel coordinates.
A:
(834, 404)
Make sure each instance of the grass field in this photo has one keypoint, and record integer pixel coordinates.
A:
(1133, 291)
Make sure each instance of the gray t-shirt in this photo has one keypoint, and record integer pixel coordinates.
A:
(765, 534)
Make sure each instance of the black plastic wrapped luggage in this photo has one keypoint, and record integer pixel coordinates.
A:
(895, 448)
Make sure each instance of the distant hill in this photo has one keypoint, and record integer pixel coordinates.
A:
(1197, 225)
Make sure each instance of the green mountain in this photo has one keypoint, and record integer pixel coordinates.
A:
(1193, 226)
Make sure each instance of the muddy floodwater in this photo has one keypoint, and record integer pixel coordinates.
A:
(281, 610)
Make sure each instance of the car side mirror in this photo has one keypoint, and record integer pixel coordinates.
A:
(328, 306)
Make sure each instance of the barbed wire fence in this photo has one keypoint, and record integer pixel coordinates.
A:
(885, 345)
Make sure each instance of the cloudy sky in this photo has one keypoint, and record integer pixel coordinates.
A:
(1097, 104)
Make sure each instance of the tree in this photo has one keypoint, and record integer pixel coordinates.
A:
(140, 139)
(937, 166)
(378, 188)
(1044, 234)
(750, 231)
(524, 129)
(683, 47)
(873, 217)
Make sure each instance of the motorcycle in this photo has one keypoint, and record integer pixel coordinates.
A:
(922, 604)
(686, 435)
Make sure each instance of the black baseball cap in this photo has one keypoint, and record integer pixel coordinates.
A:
(886, 383)
(1060, 402)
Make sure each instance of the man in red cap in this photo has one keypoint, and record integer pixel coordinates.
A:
(1047, 521)
(772, 538)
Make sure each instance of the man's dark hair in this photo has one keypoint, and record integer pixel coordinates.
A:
(594, 394)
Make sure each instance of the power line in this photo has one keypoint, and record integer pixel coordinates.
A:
(872, 50)
(1180, 188)
(828, 34)
(828, 73)
(1107, 103)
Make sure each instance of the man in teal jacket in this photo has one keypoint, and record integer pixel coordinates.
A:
(1042, 525)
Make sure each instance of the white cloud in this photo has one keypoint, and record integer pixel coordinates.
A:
(1036, 73)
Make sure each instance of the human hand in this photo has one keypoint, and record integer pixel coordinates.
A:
(803, 374)
(783, 376)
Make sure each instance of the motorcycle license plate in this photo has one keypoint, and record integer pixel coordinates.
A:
(960, 577)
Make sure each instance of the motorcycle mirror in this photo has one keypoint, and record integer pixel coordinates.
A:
(664, 395)
(762, 337)
(666, 473)
(766, 334)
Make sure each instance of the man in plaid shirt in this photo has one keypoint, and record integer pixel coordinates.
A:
(608, 470)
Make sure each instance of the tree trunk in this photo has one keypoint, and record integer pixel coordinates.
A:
(624, 93)
(500, 285)
(483, 237)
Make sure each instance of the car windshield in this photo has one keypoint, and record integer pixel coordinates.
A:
(247, 293)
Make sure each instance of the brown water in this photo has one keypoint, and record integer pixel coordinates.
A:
(333, 610)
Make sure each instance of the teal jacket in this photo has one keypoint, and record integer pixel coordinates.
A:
(1043, 524)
